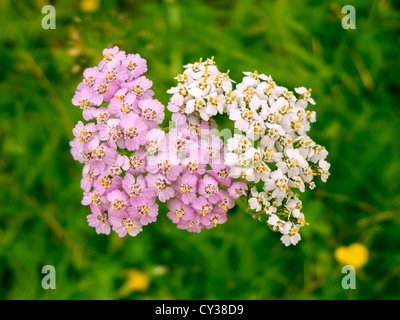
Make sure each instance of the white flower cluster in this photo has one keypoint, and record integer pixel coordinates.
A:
(273, 151)
(202, 91)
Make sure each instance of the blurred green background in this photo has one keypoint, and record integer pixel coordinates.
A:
(354, 75)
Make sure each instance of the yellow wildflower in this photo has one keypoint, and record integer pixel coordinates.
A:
(90, 5)
(355, 254)
(136, 280)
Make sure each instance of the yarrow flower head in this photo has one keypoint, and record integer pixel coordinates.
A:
(132, 165)
(116, 99)
(272, 152)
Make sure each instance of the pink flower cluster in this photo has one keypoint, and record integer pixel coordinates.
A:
(117, 100)
(186, 170)
(130, 165)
